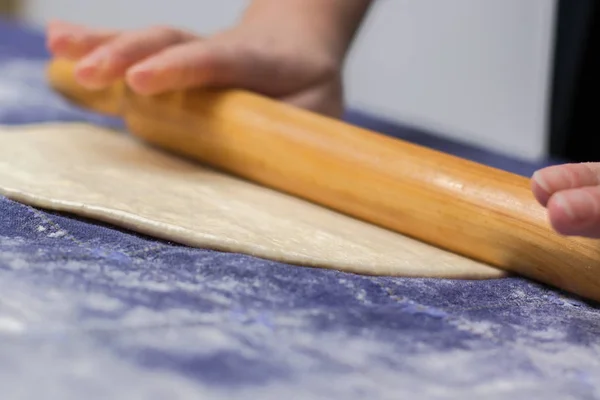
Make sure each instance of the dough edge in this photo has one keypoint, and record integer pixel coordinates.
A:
(185, 237)
(174, 234)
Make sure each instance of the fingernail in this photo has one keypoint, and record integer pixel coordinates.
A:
(140, 71)
(140, 77)
(579, 205)
(552, 177)
(64, 43)
(541, 182)
(93, 62)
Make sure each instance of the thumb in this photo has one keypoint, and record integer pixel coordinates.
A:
(198, 63)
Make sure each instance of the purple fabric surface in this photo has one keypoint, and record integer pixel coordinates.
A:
(90, 311)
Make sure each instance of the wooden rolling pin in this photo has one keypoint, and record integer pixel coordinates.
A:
(467, 208)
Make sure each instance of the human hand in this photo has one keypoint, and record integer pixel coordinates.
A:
(287, 66)
(571, 194)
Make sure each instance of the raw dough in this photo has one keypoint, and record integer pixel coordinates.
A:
(110, 176)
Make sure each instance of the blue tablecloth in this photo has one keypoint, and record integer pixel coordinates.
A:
(90, 311)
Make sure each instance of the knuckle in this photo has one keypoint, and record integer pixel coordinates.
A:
(116, 51)
(328, 67)
(165, 31)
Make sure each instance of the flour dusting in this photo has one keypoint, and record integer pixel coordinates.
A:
(87, 311)
(26, 96)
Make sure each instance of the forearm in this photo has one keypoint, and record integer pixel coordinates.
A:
(330, 22)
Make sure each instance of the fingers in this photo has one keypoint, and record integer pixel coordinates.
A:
(73, 41)
(551, 180)
(197, 63)
(576, 212)
(111, 60)
(155, 60)
(159, 59)
(571, 193)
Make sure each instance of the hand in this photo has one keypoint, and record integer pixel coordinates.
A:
(571, 193)
(283, 65)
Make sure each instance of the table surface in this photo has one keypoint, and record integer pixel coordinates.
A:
(89, 310)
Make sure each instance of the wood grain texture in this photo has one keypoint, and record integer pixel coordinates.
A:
(458, 205)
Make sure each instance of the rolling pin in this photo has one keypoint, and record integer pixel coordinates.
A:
(458, 205)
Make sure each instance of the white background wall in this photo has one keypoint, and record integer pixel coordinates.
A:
(475, 70)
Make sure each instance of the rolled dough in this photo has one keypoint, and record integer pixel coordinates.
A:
(112, 177)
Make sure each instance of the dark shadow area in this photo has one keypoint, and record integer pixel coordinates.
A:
(573, 113)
